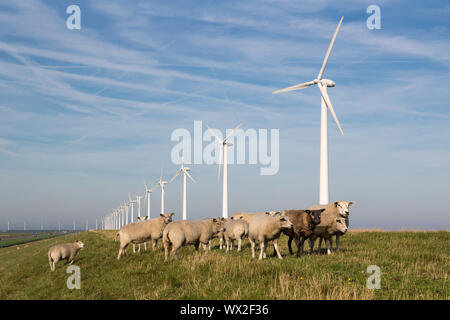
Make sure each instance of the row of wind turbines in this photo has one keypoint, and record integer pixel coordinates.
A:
(119, 216)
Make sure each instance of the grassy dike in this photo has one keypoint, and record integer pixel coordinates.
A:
(414, 265)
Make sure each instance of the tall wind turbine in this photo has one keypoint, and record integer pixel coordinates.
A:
(138, 200)
(162, 184)
(132, 202)
(325, 102)
(185, 173)
(148, 193)
(224, 150)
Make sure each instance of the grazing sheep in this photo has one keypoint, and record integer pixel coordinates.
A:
(265, 228)
(304, 222)
(66, 251)
(247, 216)
(143, 231)
(235, 230)
(145, 243)
(189, 232)
(329, 226)
(339, 209)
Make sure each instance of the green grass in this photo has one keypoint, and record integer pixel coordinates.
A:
(15, 238)
(414, 265)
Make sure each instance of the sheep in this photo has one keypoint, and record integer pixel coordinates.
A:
(66, 251)
(339, 209)
(247, 216)
(143, 231)
(329, 226)
(145, 243)
(235, 230)
(189, 232)
(304, 222)
(265, 228)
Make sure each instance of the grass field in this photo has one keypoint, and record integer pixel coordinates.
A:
(414, 265)
(15, 238)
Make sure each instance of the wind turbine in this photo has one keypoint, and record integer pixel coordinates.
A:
(138, 200)
(224, 145)
(148, 193)
(162, 184)
(132, 202)
(325, 102)
(185, 173)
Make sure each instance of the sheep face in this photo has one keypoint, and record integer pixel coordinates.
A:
(343, 208)
(285, 223)
(80, 244)
(167, 217)
(315, 215)
(341, 226)
(218, 225)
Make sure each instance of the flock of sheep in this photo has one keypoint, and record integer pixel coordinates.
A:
(319, 221)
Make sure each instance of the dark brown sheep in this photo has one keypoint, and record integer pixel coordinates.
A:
(304, 222)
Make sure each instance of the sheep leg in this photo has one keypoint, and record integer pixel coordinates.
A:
(319, 249)
(207, 248)
(252, 243)
(290, 244)
(263, 249)
(328, 243)
(134, 248)
(145, 246)
(227, 241)
(275, 245)
(231, 246)
(311, 245)
(209, 245)
(221, 243)
(337, 242)
(154, 243)
(239, 245)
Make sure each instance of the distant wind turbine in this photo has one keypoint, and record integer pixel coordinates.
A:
(185, 173)
(148, 193)
(162, 184)
(132, 202)
(325, 102)
(224, 146)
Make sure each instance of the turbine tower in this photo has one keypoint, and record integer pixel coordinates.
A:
(138, 200)
(224, 146)
(185, 173)
(132, 202)
(148, 193)
(162, 184)
(325, 102)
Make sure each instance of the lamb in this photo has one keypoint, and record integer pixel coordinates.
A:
(265, 228)
(143, 231)
(235, 230)
(190, 232)
(66, 251)
(339, 209)
(329, 226)
(304, 222)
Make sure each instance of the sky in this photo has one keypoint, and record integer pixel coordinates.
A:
(87, 115)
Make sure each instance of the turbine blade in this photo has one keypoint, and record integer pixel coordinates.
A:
(189, 175)
(327, 55)
(212, 132)
(232, 132)
(129, 196)
(330, 107)
(178, 172)
(296, 87)
(145, 184)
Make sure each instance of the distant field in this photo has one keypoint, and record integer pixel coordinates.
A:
(20, 237)
(414, 265)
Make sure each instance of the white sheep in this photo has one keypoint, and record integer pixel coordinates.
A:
(329, 226)
(235, 230)
(265, 228)
(143, 231)
(189, 232)
(66, 251)
(338, 209)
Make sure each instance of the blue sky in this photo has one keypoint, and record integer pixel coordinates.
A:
(86, 115)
